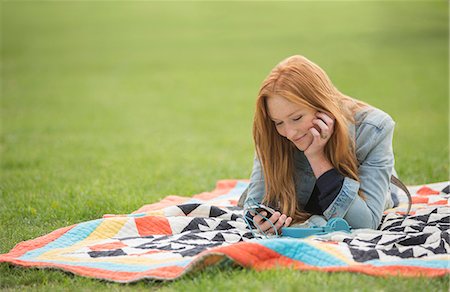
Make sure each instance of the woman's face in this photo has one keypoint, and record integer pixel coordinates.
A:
(292, 121)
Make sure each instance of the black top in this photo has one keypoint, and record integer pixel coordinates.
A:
(326, 189)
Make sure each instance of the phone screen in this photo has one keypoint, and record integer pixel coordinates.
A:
(266, 209)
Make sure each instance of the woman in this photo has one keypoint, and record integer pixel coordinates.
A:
(319, 153)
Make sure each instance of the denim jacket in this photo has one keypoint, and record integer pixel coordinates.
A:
(373, 131)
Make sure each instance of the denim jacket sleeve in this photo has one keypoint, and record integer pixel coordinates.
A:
(256, 187)
(376, 162)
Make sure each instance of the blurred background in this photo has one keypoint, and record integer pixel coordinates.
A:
(107, 106)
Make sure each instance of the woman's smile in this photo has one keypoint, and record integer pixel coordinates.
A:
(299, 139)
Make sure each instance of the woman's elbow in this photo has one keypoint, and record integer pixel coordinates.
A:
(367, 223)
(362, 219)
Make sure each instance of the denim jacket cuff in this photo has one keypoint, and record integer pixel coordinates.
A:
(254, 193)
(343, 200)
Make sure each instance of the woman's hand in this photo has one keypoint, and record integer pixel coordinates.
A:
(278, 220)
(325, 124)
(315, 152)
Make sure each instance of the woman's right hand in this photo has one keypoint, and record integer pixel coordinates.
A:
(278, 220)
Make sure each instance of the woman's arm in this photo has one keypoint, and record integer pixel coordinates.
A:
(255, 194)
(374, 150)
(256, 189)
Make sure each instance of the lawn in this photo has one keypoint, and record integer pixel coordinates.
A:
(107, 106)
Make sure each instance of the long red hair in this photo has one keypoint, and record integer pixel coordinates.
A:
(302, 82)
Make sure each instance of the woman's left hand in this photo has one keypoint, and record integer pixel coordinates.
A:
(320, 138)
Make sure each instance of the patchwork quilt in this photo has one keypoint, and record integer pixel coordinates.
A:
(167, 239)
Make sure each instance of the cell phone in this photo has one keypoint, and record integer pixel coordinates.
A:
(261, 208)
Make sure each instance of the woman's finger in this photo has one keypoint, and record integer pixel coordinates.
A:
(288, 222)
(267, 224)
(324, 129)
(258, 218)
(283, 221)
(328, 119)
(280, 221)
(314, 133)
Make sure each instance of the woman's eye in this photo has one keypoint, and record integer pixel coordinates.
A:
(278, 124)
(296, 119)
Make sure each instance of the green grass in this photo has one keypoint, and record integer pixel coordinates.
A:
(107, 106)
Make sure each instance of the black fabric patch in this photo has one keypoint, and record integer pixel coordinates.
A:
(169, 247)
(445, 219)
(438, 250)
(423, 218)
(198, 249)
(393, 225)
(373, 240)
(190, 236)
(397, 229)
(162, 238)
(223, 225)
(248, 235)
(446, 237)
(133, 237)
(418, 228)
(395, 252)
(216, 212)
(234, 217)
(194, 224)
(361, 255)
(106, 253)
(415, 240)
(218, 237)
(188, 208)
